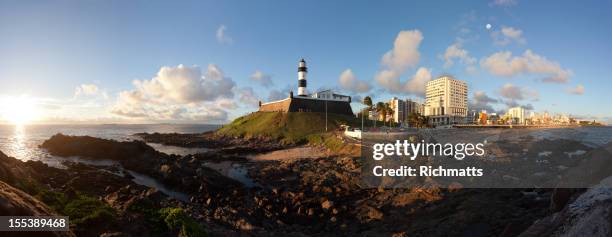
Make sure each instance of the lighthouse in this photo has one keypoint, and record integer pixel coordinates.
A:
(302, 70)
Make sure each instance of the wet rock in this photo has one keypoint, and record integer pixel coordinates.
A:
(92, 147)
(559, 198)
(590, 214)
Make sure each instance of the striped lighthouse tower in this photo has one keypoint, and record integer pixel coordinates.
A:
(302, 70)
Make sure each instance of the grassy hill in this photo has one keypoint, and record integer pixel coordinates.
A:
(290, 128)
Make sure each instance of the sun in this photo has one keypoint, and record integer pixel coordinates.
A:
(18, 110)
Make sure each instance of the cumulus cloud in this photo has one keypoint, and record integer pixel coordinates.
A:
(247, 96)
(481, 101)
(482, 97)
(222, 36)
(508, 35)
(415, 85)
(504, 64)
(405, 54)
(177, 93)
(514, 103)
(349, 82)
(456, 52)
(262, 78)
(578, 90)
(513, 92)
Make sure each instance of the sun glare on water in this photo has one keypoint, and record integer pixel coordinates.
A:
(18, 110)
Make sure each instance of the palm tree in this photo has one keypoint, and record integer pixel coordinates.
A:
(381, 108)
(388, 110)
(368, 102)
(417, 120)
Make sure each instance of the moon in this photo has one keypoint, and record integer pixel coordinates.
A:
(488, 26)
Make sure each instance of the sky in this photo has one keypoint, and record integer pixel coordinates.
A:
(212, 61)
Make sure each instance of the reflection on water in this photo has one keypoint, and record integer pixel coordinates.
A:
(233, 170)
(22, 142)
(18, 141)
(175, 150)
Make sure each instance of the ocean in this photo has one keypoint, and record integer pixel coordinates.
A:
(22, 142)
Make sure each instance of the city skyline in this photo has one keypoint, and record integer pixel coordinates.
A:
(136, 62)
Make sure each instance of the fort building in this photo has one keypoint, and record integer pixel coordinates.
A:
(322, 101)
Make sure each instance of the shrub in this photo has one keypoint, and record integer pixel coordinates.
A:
(88, 210)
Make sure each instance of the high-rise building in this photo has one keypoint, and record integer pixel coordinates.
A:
(414, 107)
(446, 101)
(403, 108)
(517, 114)
(399, 109)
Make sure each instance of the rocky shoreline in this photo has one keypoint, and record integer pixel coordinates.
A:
(300, 197)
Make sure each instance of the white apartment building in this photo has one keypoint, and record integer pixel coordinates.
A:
(446, 101)
(517, 114)
(399, 109)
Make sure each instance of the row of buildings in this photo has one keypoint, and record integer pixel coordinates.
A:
(446, 102)
(521, 116)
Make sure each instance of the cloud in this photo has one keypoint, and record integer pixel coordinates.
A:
(222, 36)
(578, 90)
(504, 64)
(89, 90)
(455, 51)
(277, 95)
(513, 92)
(405, 54)
(503, 3)
(86, 89)
(349, 82)
(508, 35)
(514, 103)
(262, 78)
(482, 97)
(247, 96)
(468, 27)
(415, 85)
(481, 101)
(178, 93)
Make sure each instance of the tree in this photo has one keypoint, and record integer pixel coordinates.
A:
(381, 108)
(388, 110)
(368, 102)
(417, 120)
